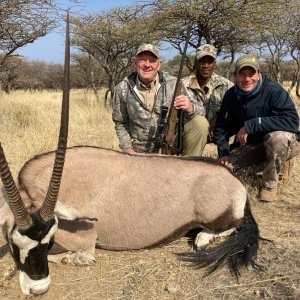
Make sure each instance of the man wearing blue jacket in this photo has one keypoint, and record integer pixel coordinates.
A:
(264, 120)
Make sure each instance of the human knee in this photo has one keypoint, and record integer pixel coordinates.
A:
(273, 138)
(199, 124)
(277, 141)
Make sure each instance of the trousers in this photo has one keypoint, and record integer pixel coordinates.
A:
(277, 147)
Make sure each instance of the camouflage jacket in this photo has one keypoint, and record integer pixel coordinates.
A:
(135, 125)
(210, 102)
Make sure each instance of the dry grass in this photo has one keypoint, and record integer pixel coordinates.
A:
(29, 124)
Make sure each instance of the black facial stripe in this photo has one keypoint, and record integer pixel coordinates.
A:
(39, 228)
(36, 263)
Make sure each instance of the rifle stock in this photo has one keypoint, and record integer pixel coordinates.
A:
(172, 124)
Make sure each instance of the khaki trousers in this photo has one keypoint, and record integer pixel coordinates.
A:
(195, 136)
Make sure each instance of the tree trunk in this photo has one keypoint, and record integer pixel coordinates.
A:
(111, 88)
(94, 88)
(297, 89)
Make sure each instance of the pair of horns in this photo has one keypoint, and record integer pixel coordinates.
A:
(22, 217)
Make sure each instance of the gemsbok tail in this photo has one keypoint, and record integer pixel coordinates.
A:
(238, 250)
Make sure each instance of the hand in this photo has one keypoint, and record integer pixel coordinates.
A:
(224, 160)
(242, 136)
(183, 102)
(130, 150)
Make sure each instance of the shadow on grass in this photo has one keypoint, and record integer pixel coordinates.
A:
(4, 250)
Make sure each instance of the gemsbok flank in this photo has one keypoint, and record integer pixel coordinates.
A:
(116, 201)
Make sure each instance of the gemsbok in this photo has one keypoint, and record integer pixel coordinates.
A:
(112, 200)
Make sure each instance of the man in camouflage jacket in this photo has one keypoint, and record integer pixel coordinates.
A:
(138, 103)
(207, 88)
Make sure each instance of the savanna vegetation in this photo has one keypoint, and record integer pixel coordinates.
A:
(29, 126)
(106, 41)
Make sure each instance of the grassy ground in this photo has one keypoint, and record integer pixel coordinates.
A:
(29, 126)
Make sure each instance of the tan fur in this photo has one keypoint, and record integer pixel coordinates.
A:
(139, 201)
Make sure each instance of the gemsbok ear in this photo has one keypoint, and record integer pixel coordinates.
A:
(6, 217)
(69, 213)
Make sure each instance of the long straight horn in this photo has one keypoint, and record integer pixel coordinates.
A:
(47, 210)
(22, 217)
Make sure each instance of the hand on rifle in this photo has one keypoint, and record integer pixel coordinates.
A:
(183, 102)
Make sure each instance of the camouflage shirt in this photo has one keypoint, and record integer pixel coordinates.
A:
(137, 126)
(211, 101)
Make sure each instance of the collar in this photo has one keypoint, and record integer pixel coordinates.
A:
(211, 84)
(143, 86)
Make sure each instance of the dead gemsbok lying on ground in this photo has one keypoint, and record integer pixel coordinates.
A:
(138, 201)
(116, 201)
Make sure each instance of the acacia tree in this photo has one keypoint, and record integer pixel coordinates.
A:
(9, 73)
(112, 38)
(272, 40)
(213, 21)
(22, 22)
(294, 43)
(92, 74)
(231, 25)
(295, 54)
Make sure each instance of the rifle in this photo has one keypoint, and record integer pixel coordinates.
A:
(176, 117)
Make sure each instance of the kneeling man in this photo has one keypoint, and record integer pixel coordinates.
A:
(264, 120)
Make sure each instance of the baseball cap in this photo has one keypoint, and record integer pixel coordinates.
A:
(149, 48)
(205, 50)
(248, 60)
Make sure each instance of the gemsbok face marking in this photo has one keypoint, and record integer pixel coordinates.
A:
(30, 249)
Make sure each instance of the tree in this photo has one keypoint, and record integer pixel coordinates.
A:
(22, 22)
(229, 25)
(213, 21)
(9, 74)
(272, 38)
(112, 38)
(92, 74)
(172, 66)
(294, 43)
(31, 75)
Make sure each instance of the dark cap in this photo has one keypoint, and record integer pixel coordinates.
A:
(148, 48)
(206, 50)
(246, 61)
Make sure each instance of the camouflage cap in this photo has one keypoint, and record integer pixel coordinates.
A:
(205, 50)
(246, 61)
(148, 48)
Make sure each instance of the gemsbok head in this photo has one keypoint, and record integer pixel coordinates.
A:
(31, 233)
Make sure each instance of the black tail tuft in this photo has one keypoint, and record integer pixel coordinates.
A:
(237, 251)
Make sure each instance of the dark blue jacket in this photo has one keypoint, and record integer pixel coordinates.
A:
(271, 109)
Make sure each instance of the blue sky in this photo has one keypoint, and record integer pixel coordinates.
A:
(50, 48)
